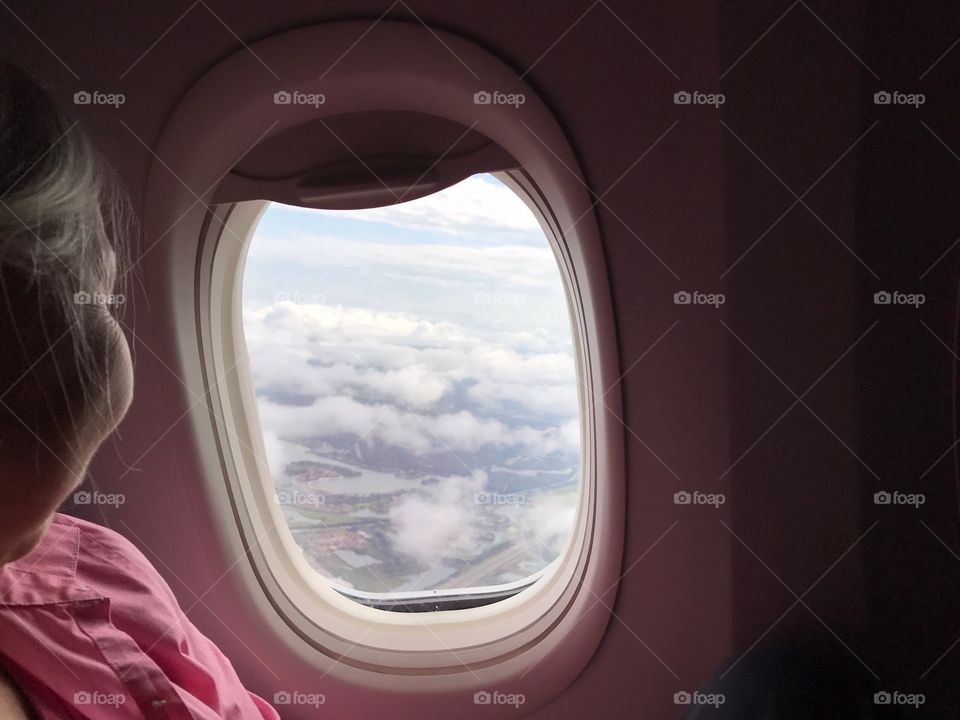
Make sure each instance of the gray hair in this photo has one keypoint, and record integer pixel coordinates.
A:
(59, 208)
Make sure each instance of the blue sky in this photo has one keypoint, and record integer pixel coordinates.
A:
(472, 254)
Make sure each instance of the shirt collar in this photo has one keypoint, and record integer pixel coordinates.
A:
(47, 574)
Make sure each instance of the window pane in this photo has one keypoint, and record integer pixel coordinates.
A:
(415, 377)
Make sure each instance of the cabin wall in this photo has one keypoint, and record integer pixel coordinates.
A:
(699, 211)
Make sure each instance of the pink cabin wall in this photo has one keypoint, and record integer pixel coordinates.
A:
(677, 220)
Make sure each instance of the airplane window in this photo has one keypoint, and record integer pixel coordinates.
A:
(416, 382)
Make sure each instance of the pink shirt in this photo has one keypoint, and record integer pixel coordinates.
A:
(89, 630)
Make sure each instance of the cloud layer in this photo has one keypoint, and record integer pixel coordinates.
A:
(430, 340)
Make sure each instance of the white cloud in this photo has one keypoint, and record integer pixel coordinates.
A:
(546, 524)
(323, 350)
(339, 414)
(439, 522)
(419, 433)
(277, 454)
(500, 266)
(540, 398)
(299, 325)
(414, 385)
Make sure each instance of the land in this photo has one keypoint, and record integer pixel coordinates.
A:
(339, 509)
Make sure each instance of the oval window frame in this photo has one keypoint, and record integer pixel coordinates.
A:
(545, 649)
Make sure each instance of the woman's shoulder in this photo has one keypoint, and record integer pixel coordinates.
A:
(93, 536)
(111, 564)
(108, 561)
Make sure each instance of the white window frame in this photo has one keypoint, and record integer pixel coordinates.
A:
(541, 638)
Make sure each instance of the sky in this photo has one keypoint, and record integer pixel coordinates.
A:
(438, 325)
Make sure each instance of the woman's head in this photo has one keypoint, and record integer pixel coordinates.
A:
(65, 376)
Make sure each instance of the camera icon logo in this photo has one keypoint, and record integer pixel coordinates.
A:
(82, 497)
(282, 697)
(682, 698)
(682, 298)
(882, 498)
(882, 698)
(81, 697)
(882, 97)
(482, 697)
(682, 98)
(482, 98)
(82, 98)
(882, 297)
(682, 498)
(282, 97)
